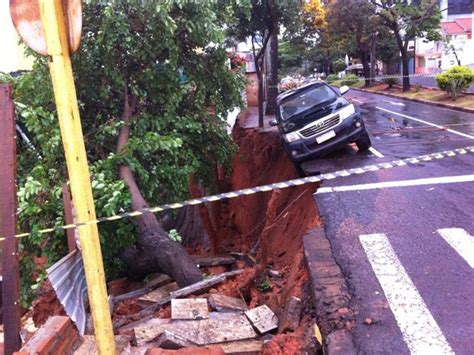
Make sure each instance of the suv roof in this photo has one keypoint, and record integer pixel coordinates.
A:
(286, 94)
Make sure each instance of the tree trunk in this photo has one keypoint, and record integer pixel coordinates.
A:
(272, 74)
(155, 251)
(405, 72)
(258, 69)
(372, 58)
(365, 64)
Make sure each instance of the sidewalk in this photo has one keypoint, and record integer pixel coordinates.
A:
(250, 119)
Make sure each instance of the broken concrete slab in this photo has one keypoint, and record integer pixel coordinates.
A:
(189, 308)
(291, 317)
(219, 328)
(262, 318)
(223, 303)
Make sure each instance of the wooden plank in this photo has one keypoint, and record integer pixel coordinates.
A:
(186, 291)
(68, 217)
(189, 308)
(204, 284)
(263, 319)
(10, 265)
(89, 345)
(158, 281)
(158, 295)
(245, 347)
(203, 261)
(218, 328)
(168, 340)
(291, 315)
(223, 303)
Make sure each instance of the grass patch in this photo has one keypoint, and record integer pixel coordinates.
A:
(466, 101)
(338, 83)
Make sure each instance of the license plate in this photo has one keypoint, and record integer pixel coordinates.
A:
(325, 137)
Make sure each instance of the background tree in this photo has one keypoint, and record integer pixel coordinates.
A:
(354, 21)
(260, 21)
(408, 19)
(154, 90)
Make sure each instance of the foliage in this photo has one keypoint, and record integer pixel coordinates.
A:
(290, 57)
(350, 80)
(387, 49)
(265, 285)
(407, 20)
(331, 78)
(455, 80)
(390, 81)
(339, 65)
(175, 236)
(172, 59)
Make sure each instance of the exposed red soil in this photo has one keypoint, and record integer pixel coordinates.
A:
(240, 224)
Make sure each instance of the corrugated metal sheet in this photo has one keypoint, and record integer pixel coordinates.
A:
(69, 281)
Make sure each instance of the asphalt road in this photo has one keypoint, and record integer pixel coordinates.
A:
(411, 273)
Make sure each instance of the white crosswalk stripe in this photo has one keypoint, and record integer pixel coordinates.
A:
(420, 331)
(461, 241)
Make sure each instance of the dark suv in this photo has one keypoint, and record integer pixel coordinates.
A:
(315, 119)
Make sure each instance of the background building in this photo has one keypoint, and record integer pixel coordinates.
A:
(457, 46)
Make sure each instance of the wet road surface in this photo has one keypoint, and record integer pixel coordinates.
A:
(404, 237)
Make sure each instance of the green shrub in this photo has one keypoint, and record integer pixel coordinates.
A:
(390, 81)
(331, 78)
(455, 80)
(339, 65)
(350, 80)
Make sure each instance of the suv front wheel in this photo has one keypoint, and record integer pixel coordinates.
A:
(363, 143)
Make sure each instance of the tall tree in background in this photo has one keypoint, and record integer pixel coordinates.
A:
(260, 20)
(408, 19)
(354, 21)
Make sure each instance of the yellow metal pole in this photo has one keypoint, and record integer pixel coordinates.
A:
(74, 148)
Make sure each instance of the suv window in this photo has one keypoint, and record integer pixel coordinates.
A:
(306, 99)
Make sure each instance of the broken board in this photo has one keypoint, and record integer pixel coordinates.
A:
(219, 328)
(225, 303)
(189, 308)
(157, 295)
(263, 319)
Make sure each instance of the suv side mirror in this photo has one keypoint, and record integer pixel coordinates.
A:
(344, 89)
(273, 123)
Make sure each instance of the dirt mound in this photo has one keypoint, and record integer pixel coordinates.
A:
(241, 223)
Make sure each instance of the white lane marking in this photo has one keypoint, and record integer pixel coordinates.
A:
(376, 152)
(399, 183)
(358, 101)
(417, 325)
(427, 123)
(395, 103)
(461, 241)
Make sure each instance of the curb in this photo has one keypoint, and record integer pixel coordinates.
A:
(438, 104)
(330, 294)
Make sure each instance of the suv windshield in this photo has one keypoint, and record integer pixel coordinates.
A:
(306, 99)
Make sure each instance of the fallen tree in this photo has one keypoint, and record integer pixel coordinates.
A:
(154, 89)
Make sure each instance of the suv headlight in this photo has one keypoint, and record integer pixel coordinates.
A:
(347, 111)
(291, 137)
